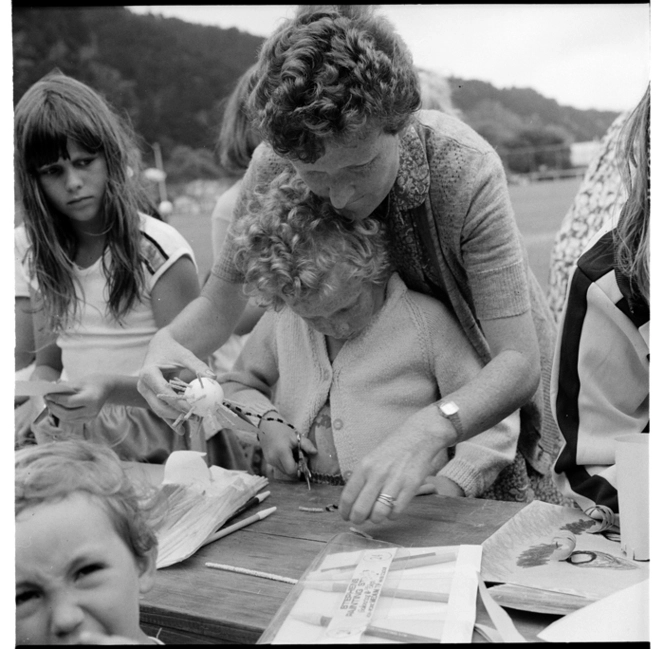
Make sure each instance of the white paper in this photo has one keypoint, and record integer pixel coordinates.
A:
(520, 552)
(196, 501)
(463, 595)
(621, 617)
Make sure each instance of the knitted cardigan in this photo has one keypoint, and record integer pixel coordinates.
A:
(412, 351)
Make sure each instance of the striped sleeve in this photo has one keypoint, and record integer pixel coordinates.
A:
(161, 246)
(600, 381)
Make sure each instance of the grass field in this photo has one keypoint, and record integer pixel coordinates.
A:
(539, 208)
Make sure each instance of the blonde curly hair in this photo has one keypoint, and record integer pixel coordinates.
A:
(51, 472)
(291, 241)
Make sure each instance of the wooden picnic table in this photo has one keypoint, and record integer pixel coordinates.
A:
(193, 604)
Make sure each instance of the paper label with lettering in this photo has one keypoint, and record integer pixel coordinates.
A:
(359, 602)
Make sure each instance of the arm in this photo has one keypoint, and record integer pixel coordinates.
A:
(201, 328)
(496, 267)
(478, 460)
(250, 316)
(251, 383)
(599, 390)
(171, 293)
(491, 256)
(222, 217)
(48, 357)
(24, 350)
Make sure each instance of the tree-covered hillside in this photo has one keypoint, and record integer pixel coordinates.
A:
(167, 75)
(170, 77)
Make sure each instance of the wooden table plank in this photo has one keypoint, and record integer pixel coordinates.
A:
(202, 604)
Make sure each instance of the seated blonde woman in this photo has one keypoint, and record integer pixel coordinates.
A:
(346, 352)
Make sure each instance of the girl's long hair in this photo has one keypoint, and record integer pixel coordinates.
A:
(56, 109)
(632, 234)
(237, 136)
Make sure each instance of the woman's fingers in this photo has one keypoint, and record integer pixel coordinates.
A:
(309, 447)
(167, 355)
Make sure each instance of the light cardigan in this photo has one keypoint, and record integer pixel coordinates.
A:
(412, 351)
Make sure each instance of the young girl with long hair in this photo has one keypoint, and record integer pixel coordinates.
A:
(104, 276)
(600, 383)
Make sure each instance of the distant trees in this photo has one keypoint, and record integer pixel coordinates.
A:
(166, 75)
(529, 131)
(169, 78)
(536, 149)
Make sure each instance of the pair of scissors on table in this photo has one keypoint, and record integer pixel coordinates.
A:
(302, 466)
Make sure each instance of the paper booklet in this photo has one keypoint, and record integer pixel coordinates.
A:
(547, 561)
(365, 590)
(194, 501)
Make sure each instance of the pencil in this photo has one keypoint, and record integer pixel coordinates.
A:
(386, 591)
(224, 531)
(412, 561)
(375, 631)
(250, 503)
(251, 573)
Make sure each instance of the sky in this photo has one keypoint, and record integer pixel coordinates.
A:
(582, 55)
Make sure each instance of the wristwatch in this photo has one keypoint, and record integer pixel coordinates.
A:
(450, 410)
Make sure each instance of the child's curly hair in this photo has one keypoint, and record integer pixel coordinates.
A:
(51, 472)
(326, 74)
(290, 241)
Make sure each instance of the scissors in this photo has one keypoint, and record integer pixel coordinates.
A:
(302, 466)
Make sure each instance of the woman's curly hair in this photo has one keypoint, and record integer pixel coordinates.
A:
(51, 472)
(326, 74)
(290, 242)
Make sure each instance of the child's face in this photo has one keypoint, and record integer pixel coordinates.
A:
(76, 187)
(74, 573)
(346, 312)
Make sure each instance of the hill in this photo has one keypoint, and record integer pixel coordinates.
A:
(170, 78)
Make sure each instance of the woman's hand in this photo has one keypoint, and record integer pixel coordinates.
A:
(279, 444)
(396, 468)
(85, 403)
(200, 328)
(166, 355)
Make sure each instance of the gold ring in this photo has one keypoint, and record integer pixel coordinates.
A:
(386, 499)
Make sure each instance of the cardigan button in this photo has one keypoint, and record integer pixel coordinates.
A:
(337, 424)
(326, 375)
